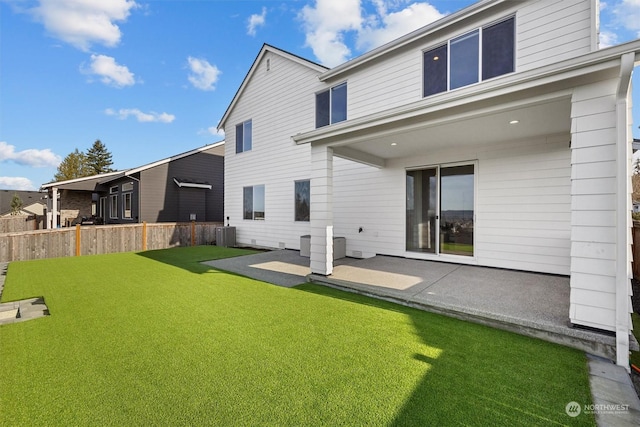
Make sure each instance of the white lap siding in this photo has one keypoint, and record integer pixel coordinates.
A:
(593, 199)
(522, 204)
(280, 102)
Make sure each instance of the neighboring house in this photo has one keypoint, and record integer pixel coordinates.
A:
(32, 202)
(185, 187)
(498, 136)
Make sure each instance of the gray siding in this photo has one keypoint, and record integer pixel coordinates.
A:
(163, 201)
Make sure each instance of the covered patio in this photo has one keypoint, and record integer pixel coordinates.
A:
(530, 304)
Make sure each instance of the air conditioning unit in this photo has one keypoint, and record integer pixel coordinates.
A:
(225, 236)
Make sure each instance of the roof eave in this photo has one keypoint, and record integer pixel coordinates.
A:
(265, 48)
(581, 65)
(410, 38)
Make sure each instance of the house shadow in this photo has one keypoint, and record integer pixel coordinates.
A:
(191, 258)
(477, 375)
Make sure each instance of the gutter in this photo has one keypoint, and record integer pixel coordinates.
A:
(570, 68)
(623, 217)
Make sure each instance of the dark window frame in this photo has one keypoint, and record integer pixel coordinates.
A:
(249, 202)
(244, 136)
(331, 105)
(302, 213)
(501, 32)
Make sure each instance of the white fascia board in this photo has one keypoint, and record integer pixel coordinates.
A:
(605, 59)
(84, 178)
(410, 38)
(192, 184)
(176, 157)
(263, 51)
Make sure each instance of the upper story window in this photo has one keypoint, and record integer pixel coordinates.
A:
(472, 57)
(331, 105)
(243, 137)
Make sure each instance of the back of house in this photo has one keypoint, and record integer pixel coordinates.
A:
(497, 136)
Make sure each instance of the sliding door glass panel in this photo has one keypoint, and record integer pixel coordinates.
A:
(422, 204)
(456, 210)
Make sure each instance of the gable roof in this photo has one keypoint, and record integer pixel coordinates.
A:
(88, 183)
(263, 51)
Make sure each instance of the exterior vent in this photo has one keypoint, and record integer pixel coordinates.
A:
(356, 254)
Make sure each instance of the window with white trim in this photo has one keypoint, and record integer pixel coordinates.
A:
(244, 138)
(253, 202)
(331, 105)
(113, 207)
(302, 200)
(126, 205)
(475, 56)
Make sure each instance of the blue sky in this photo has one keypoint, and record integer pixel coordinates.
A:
(152, 78)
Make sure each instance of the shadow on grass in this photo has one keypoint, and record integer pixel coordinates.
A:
(477, 375)
(190, 258)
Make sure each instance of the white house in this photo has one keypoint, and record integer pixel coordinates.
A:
(499, 136)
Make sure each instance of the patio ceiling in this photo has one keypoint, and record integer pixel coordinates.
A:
(464, 126)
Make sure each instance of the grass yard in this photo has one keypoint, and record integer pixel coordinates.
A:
(155, 338)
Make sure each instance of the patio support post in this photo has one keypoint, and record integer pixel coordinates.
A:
(54, 207)
(321, 210)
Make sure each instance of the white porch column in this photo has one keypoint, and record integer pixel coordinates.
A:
(54, 207)
(321, 210)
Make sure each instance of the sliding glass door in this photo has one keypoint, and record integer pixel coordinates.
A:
(440, 210)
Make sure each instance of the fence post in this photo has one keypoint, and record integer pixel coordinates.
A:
(144, 235)
(193, 233)
(77, 239)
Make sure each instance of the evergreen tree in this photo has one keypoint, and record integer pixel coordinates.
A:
(98, 159)
(73, 166)
(16, 204)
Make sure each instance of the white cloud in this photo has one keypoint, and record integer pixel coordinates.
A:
(212, 130)
(396, 24)
(628, 14)
(110, 72)
(256, 21)
(204, 76)
(143, 117)
(325, 27)
(82, 23)
(329, 22)
(30, 157)
(16, 183)
(608, 38)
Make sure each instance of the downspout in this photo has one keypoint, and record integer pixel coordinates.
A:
(623, 213)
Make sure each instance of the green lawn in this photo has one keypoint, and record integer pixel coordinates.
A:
(155, 338)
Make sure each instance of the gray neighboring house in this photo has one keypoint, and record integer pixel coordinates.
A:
(32, 202)
(185, 187)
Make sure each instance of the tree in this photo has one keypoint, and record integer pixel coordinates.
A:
(73, 166)
(16, 204)
(98, 159)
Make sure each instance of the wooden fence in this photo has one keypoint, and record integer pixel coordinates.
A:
(104, 239)
(19, 223)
